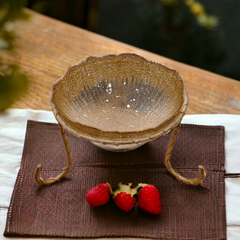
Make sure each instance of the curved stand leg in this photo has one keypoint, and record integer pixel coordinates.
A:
(202, 173)
(66, 169)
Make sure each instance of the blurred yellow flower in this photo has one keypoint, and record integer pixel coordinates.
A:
(207, 21)
(197, 9)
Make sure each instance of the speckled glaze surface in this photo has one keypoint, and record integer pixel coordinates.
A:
(119, 102)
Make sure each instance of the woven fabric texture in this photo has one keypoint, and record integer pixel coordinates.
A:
(61, 210)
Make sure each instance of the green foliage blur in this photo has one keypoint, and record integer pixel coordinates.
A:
(13, 83)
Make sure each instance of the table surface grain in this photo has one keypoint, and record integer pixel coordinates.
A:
(47, 47)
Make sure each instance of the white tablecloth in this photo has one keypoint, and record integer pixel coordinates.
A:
(12, 133)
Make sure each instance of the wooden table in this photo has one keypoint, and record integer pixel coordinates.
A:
(47, 47)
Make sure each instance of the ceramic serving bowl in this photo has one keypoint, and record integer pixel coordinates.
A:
(119, 102)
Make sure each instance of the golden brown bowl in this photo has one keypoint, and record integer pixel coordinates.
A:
(119, 102)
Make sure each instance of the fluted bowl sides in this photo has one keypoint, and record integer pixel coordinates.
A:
(119, 99)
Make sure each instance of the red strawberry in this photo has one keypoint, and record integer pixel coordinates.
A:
(149, 199)
(124, 197)
(99, 195)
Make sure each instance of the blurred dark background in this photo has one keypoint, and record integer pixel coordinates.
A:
(168, 30)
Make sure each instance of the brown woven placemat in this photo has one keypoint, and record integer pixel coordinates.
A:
(60, 210)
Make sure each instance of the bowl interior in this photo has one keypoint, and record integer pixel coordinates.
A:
(124, 93)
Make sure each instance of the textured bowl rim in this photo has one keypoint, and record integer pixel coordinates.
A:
(165, 126)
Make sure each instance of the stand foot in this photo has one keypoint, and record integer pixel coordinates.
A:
(66, 169)
(202, 173)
